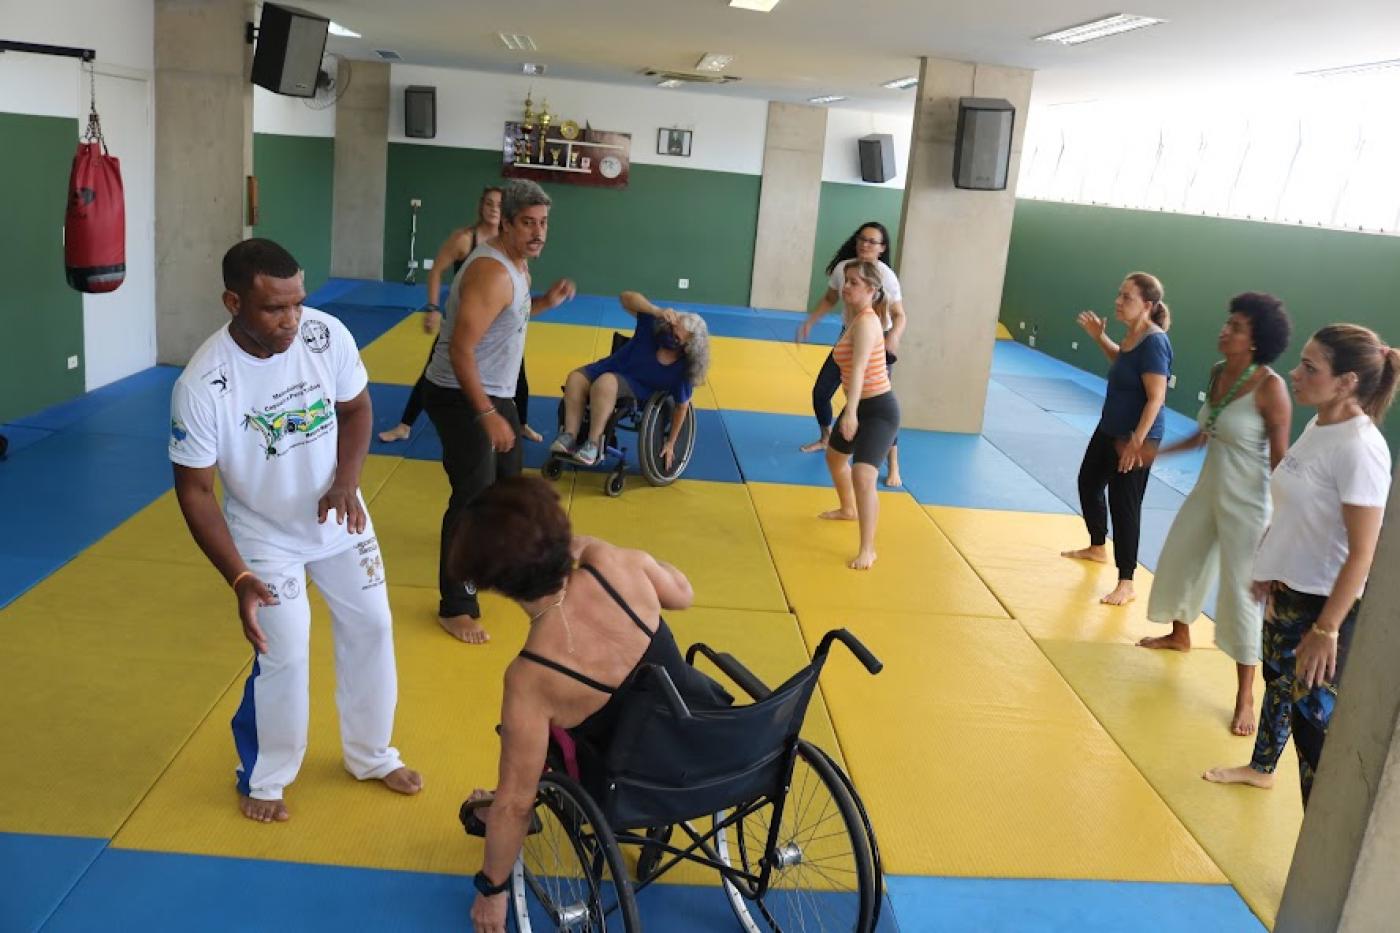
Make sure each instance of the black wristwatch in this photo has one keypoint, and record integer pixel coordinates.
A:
(431, 307)
(486, 887)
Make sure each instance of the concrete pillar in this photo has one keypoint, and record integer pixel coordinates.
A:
(202, 132)
(787, 206)
(361, 174)
(1347, 861)
(952, 252)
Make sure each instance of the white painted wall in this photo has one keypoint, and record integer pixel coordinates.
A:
(473, 106)
(119, 327)
(845, 127)
(289, 116)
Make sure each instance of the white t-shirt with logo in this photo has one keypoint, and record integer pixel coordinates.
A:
(1329, 466)
(889, 283)
(270, 427)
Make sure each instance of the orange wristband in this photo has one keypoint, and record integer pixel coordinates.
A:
(239, 579)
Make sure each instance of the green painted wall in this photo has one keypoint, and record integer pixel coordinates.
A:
(296, 175)
(843, 209)
(669, 223)
(1067, 257)
(41, 318)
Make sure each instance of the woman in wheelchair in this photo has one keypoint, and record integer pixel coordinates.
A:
(592, 628)
(669, 352)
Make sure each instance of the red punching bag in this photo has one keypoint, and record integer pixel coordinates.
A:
(94, 244)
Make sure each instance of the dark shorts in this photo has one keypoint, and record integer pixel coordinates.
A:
(875, 434)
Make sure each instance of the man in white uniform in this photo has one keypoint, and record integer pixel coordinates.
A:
(277, 403)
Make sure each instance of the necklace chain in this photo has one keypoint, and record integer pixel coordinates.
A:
(558, 604)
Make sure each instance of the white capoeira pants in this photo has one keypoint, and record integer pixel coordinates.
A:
(269, 729)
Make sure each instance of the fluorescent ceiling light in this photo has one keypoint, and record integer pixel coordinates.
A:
(669, 82)
(1099, 29)
(713, 61)
(758, 6)
(533, 68)
(517, 42)
(338, 30)
(901, 84)
(1362, 68)
(828, 99)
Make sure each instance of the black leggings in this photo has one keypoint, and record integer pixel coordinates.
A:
(1125, 493)
(828, 381)
(414, 406)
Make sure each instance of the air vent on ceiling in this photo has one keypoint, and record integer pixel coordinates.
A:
(389, 55)
(687, 77)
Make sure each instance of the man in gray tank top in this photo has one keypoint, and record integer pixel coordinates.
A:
(471, 377)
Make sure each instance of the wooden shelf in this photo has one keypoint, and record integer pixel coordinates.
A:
(549, 168)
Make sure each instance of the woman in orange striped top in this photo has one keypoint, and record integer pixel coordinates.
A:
(870, 420)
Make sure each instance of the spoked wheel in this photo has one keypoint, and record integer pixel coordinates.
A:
(570, 874)
(823, 875)
(651, 437)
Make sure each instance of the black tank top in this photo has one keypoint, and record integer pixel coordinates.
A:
(694, 686)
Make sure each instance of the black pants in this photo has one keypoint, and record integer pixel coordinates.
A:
(414, 406)
(1125, 492)
(471, 466)
(828, 381)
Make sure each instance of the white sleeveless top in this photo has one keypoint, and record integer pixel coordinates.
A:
(502, 347)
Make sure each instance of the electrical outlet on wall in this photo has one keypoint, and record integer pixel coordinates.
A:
(1171, 381)
(413, 264)
(415, 202)
(72, 362)
(427, 264)
(1200, 396)
(683, 283)
(1023, 325)
(1074, 344)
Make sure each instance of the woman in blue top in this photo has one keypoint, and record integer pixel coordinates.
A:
(1120, 452)
(669, 352)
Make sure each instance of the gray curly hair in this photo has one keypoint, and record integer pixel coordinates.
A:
(697, 345)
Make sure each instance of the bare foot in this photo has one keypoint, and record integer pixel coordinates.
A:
(893, 481)
(464, 628)
(404, 781)
(397, 433)
(1121, 595)
(838, 515)
(1244, 775)
(263, 811)
(1095, 552)
(530, 434)
(1178, 640)
(1243, 723)
(814, 446)
(862, 561)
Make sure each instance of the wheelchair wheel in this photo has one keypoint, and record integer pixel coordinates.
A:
(552, 469)
(651, 437)
(824, 874)
(570, 874)
(614, 484)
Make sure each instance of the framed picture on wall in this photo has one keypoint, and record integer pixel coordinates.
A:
(673, 142)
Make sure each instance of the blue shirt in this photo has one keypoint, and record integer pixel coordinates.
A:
(636, 362)
(1127, 396)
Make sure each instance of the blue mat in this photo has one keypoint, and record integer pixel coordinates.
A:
(766, 447)
(1053, 460)
(1007, 905)
(367, 323)
(20, 437)
(39, 871)
(66, 414)
(965, 470)
(1057, 395)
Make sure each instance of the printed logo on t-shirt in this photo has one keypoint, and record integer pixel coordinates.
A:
(178, 432)
(316, 335)
(282, 422)
(218, 378)
(1291, 464)
(291, 589)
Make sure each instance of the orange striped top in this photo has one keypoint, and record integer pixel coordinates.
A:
(876, 379)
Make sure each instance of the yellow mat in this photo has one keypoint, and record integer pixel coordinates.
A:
(1018, 555)
(759, 375)
(449, 703)
(1170, 713)
(709, 530)
(399, 354)
(1002, 332)
(918, 569)
(976, 759)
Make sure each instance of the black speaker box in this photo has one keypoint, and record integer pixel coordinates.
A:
(982, 153)
(288, 54)
(420, 111)
(876, 157)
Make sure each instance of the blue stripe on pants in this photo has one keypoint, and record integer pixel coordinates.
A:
(245, 733)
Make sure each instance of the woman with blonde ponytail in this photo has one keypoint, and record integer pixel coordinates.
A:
(1329, 497)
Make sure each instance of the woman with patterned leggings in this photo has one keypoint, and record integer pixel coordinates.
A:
(1329, 496)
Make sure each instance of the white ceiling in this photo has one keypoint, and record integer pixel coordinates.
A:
(809, 47)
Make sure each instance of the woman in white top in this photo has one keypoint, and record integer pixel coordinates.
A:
(1329, 496)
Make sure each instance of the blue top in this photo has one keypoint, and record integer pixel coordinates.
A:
(636, 362)
(1127, 396)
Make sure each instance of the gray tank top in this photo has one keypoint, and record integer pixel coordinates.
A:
(502, 347)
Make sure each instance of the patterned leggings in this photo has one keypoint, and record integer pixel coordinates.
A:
(1288, 705)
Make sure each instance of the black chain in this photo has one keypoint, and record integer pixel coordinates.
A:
(94, 124)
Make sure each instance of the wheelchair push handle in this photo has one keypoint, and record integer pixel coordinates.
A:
(862, 653)
(731, 668)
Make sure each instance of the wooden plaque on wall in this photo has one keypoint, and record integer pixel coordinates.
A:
(597, 158)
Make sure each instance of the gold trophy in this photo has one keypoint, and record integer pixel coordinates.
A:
(528, 122)
(545, 119)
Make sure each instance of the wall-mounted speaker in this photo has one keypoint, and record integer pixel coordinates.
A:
(982, 153)
(290, 45)
(876, 157)
(420, 111)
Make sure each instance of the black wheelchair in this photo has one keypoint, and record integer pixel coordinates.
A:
(650, 421)
(733, 789)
